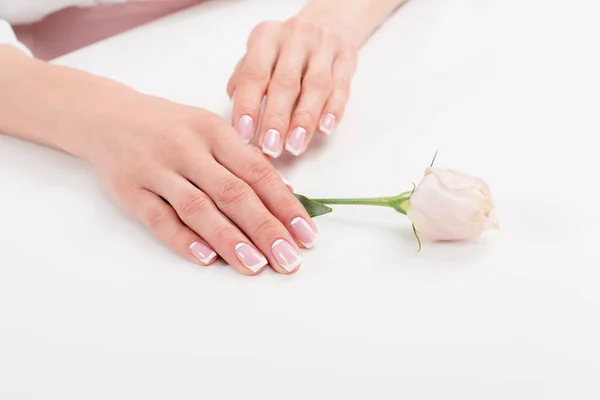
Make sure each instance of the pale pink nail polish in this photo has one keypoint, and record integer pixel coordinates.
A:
(286, 181)
(303, 232)
(202, 252)
(245, 128)
(327, 124)
(250, 257)
(295, 141)
(286, 255)
(271, 143)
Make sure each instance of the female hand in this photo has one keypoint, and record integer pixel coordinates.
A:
(181, 170)
(304, 67)
(184, 172)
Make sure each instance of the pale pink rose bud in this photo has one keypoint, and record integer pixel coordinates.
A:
(449, 205)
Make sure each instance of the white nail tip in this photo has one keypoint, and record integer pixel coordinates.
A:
(325, 130)
(307, 245)
(269, 138)
(290, 149)
(291, 267)
(210, 258)
(270, 153)
(254, 268)
(257, 266)
(205, 260)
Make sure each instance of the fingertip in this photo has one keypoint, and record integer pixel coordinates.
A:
(327, 124)
(203, 253)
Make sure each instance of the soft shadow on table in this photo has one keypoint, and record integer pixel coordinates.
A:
(433, 254)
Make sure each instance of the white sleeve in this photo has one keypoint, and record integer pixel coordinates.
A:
(7, 36)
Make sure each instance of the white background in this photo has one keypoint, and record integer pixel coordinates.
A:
(92, 306)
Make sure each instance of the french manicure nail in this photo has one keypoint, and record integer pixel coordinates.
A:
(250, 257)
(327, 124)
(271, 143)
(286, 255)
(245, 128)
(202, 252)
(303, 232)
(286, 182)
(295, 141)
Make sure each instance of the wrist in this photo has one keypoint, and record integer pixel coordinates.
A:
(52, 105)
(360, 18)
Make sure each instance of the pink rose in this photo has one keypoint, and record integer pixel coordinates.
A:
(449, 205)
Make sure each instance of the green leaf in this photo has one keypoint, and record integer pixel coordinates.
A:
(314, 208)
(434, 157)
(418, 238)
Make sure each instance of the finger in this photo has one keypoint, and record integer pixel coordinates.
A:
(199, 213)
(231, 84)
(162, 220)
(316, 89)
(236, 199)
(252, 167)
(286, 182)
(344, 68)
(251, 85)
(282, 94)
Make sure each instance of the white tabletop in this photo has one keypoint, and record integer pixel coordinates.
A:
(92, 306)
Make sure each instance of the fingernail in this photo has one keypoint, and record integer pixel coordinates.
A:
(245, 128)
(202, 252)
(303, 232)
(250, 257)
(271, 143)
(327, 124)
(295, 141)
(286, 181)
(286, 255)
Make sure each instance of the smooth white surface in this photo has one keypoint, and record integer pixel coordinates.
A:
(92, 306)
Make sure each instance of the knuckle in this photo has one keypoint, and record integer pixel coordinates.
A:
(260, 173)
(252, 73)
(326, 34)
(349, 50)
(248, 105)
(267, 228)
(343, 83)
(278, 119)
(302, 30)
(317, 81)
(293, 23)
(226, 234)
(232, 191)
(194, 204)
(262, 29)
(306, 117)
(288, 202)
(156, 218)
(286, 80)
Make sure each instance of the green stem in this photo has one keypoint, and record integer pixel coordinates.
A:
(375, 201)
(398, 203)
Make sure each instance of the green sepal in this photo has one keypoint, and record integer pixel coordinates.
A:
(314, 208)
